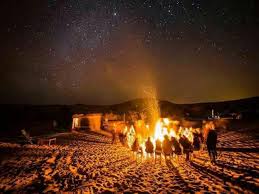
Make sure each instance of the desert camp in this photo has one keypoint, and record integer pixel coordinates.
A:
(132, 96)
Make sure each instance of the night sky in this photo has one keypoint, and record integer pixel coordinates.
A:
(105, 52)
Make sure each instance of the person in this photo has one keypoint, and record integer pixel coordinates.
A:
(176, 146)
(196, 141)
(122, 138)
(137, 149)
(125, 140)
(149, 146)
(212, 144)
(135, 146)
(158, 150)
(140, 152)
(187, 146)
(167, 147)
(113, 136)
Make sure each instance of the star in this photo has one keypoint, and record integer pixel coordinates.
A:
(77, 37)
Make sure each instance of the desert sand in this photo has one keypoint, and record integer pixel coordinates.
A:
(89, 163)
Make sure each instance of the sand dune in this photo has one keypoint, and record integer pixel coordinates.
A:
(89, 163)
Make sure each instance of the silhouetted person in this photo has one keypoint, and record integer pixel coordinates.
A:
(176, 146)
(187, 146)
(122, 138)
(167, 147)
(125, 139)
(212, 144)
(196, 141)
(158, 151)
(137, 149)
(135, 146)
(149, 146)
(113, 136)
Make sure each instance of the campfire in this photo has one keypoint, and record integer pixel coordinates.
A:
(163, 126)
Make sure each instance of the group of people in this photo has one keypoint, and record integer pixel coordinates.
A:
(168, 147)
(171, 147)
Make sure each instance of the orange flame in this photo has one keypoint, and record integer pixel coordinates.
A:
(131, 136)
(162, 128)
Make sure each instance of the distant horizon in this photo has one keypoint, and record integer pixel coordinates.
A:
(130, 100)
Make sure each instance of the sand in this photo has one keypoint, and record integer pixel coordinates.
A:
(89, 163)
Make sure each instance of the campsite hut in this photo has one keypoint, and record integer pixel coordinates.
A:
(87, 121)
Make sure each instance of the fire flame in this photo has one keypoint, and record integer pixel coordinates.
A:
(162, 128)
(131, 136)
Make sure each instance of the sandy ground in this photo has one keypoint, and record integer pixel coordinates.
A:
(89, 163)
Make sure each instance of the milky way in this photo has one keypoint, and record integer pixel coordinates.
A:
(103, 52)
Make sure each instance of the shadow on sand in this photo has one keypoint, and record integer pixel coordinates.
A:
(245, 150)
(226, 178)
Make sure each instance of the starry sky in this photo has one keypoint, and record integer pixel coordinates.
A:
(110, 51)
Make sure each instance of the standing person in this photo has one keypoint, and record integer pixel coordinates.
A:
(113, 136)
(122, 138)
(196, 141)
(135, 146)
(212, 144)
(187, 146)
(158, 151)
(137, 149)
(167, 147)
(125, 139)
(149, 147)
(176, 146)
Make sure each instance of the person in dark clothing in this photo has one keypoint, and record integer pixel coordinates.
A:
(135, 146)
(122, 138)
(196, 141)
(158, 151)
(167, 147)
(187, 146)
(212, 144)
(149, 146)
(176, 146)
(137, 150)
(113, 136)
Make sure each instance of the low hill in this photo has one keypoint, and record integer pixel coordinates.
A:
(248, 105)
(15, 117)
